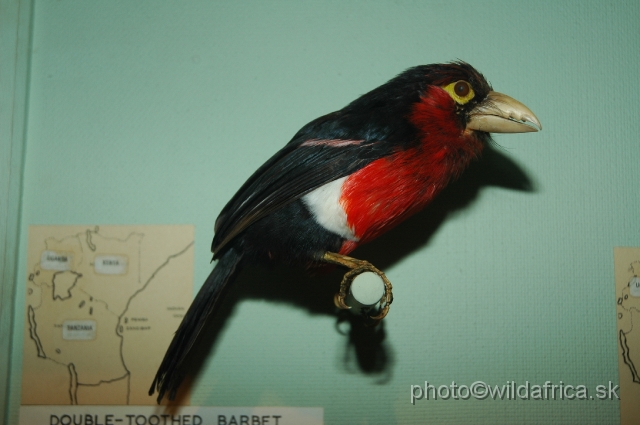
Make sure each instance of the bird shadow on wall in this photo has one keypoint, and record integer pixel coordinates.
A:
(366, 349)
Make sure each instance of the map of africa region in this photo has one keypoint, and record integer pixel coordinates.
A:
(102, 304)
(627, 270)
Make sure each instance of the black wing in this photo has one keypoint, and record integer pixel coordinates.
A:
(321, 152)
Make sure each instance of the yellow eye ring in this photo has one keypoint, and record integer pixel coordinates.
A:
(460, 91)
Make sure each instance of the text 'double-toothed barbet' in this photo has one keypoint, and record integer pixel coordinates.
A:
(348, 177)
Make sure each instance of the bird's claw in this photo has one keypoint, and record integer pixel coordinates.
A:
(358, 267)
(338, 300)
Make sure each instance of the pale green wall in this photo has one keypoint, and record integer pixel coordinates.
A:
(15, 32)
(156, 112)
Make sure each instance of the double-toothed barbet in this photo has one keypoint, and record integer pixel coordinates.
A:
(348, 177)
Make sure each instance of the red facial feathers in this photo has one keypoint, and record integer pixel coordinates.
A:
(389, 190)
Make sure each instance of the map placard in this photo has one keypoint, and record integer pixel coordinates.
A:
(627, 270)
(102, 304)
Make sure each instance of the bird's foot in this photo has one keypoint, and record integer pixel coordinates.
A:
(357, 268)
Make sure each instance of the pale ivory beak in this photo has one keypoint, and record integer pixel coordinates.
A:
(500, 113)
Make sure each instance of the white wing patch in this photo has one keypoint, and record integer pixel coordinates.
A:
(324, 203)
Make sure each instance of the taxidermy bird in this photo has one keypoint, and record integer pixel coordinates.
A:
(348, 177)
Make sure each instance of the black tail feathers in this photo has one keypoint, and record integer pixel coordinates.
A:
(171, 371)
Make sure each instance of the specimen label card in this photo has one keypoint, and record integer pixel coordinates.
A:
(159, 415)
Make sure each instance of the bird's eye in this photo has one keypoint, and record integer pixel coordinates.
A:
(461, 88)
(460, 91)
